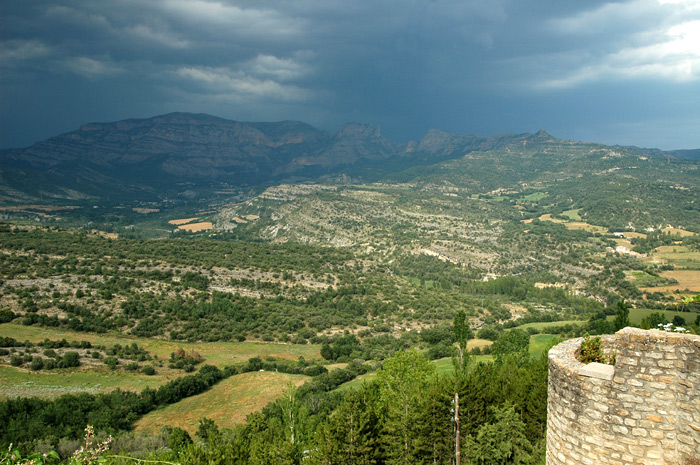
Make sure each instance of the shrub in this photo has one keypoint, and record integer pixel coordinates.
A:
(591, 351)
(70, 359)
(37, 363)
(6, 315)
(111, 362)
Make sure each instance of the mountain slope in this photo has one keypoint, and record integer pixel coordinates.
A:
(151, 155)
(166, 155)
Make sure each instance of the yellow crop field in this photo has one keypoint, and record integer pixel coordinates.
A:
(182, 221)
(194, 227)
(687, 279)
(681, 232)
(586, 227)
(478, 343)
(228, 403)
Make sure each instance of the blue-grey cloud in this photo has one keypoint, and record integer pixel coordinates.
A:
(579, 69)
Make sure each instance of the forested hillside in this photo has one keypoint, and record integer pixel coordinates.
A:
(334, 321)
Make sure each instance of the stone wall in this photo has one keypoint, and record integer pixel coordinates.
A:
(643, 410)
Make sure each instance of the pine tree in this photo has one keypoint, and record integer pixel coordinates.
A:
(461, 329)
(434, 441)
(351, 434)
(402, 380)
(502, 442)
(622, 319)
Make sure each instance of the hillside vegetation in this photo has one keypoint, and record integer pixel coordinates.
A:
(401, 276)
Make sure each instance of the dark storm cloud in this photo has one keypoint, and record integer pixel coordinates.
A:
(604, 71)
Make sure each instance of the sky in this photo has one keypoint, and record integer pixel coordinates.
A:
(616, 72)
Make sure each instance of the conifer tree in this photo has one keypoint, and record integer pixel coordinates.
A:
(434, 431)
(622, 318)
(351, 434)
(502, 442)
(402, 381)
(461, 329)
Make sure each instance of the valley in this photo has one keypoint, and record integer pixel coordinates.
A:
(217, 301)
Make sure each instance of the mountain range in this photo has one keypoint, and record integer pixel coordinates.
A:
(163, 155)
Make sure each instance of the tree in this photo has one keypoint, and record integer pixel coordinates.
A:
(402, 381)
(434, 434)
(461, 330)
(653, 321)
(502, 442)
(207, 429)
(515, 341)
(179, 438)
(351, 434)
(622, 319)
(678, 321)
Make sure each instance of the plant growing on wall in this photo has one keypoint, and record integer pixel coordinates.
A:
(591, 351)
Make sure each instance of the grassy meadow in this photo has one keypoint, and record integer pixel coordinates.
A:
(228, 403)
(95, 379)
(214, 353)
(19, 382)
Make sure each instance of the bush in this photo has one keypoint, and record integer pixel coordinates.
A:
(37, 363)
(148, 370)
(133, 366)
(179, 438)
(70, 359)
(111, 362)
(6, 315)
(591, 351)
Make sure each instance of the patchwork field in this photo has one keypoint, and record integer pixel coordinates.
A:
(228, 403)
(681, 232)
(678, 255)
(688, 280)
(575, 225)
(579, 225)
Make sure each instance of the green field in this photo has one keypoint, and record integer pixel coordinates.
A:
(572, 214)
(541, 342)
(228, 403)
(357, 382)
(215, 353)
(637, 314)
(549, 324)
(17, 382)
(88, 378)
(444, 365)
(534, 197)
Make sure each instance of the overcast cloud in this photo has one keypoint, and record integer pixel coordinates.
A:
(624, 72)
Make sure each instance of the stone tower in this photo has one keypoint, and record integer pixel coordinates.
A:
(643, 410)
